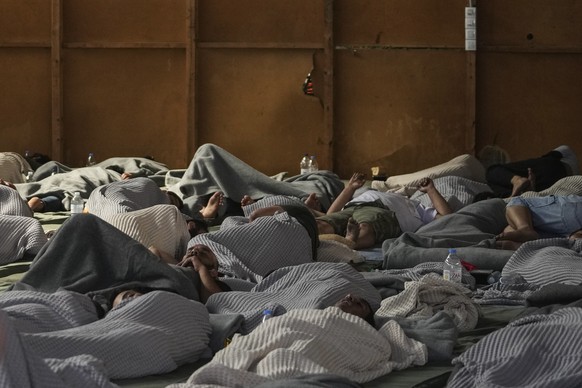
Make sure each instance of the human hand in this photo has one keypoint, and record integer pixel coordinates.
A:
(425, 184)
(357, 180)
(126, 175)
(200, 257)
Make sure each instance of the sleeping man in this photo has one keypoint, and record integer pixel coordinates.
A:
(90, 256)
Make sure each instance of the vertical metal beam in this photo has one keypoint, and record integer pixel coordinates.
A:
(471, 97)
(57, 80)
(328, 100)
(191, 74)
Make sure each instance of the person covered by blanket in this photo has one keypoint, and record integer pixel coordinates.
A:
(353, 304)
(541, 217)
(373, 216)
(86, 244)
(512, 179)
(272, 237)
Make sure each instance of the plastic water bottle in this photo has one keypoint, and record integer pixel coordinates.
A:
(29, 175)
(452, 267)
(267, 314)
(304, 165)
(313, 166)
(90, 159)
(77, 204)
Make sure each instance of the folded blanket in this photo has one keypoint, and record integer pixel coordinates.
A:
(308, 342)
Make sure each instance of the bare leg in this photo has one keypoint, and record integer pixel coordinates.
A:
(312, 202)
(523, 184)
(211, 209)
(520, 228)
(324, 227)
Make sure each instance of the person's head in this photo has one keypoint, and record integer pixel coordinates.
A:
(482, 196)
(576, 235)
(355, 305)
(124, 295)
(197, 226)
(175, 200)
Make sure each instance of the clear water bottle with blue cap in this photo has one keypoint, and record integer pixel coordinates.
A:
(267, 314)
(452, 267)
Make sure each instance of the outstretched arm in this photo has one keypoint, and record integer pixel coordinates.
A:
(438, 201)
(356, 181)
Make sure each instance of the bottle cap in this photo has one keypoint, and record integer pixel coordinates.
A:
(452, 250)
(267, 312)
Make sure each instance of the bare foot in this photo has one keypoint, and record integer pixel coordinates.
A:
(353, 230)
(520, 185)
(36, 204)
(211, 208)
(246, 200)
(312, 202)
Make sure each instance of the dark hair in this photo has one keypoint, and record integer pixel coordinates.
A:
(370, 317)
(483, 196)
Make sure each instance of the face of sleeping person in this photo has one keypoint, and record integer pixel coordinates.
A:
(355, 305)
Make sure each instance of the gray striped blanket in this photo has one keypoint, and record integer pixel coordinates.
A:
(125, 196)
(251, 251)
(161, 226)
(143, 336)
(534, 351)
(12, 204)
(545, 261)
(312, 285)
(308, 342)
(20, 236)
(457, 191)
(13, 167)
(214, 169)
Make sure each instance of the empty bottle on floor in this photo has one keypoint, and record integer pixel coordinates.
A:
(304, 165)
(313, 166)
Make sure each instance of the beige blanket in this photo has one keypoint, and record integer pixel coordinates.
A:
(465, 166)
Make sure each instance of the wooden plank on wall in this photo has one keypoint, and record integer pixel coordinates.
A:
(191, 72)
(326, 148)
(57, 80)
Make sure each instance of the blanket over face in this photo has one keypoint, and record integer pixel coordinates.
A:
(545, 261)
(151, 334)
(214, 169)
(21, 236)
(308, 342)
(88, 255)
(313, 285)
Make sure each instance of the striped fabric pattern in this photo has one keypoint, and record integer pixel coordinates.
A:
(311, 342)
(312, 285)
(20, 236)
(12, 204)
(534, 351)
(37, 312)
(125, 196)
(151, 334)
(431, 294)
(458, 191)
(545, 261)
(565, 186)
(250, 251)
(271, 200)
(13, 167)
(162, 226)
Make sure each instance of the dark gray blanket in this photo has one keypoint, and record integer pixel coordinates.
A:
(90, 256)
(471, 230)
(214, 169)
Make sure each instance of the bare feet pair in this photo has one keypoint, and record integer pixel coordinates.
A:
(211, 208)
(246, 200)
